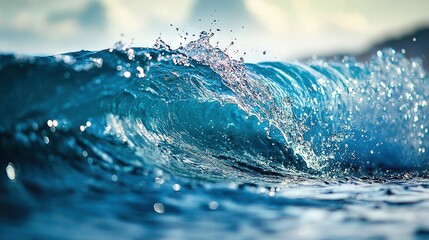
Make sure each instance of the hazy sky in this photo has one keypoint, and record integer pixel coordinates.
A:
(284, 28)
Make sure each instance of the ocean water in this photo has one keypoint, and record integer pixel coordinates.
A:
(188, 143)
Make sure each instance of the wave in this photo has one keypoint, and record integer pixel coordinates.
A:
(196, 112)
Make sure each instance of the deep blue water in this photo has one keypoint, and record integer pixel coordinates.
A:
(160, 143)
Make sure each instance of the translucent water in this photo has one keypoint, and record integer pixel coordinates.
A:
(189, 143)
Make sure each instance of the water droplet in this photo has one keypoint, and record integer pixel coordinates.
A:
(114, 178)
(66, 75)
(213, 205)
(176, 187)
(159, 208)
(141, 72)
(10, 171)
(35, 126)
(159, 180)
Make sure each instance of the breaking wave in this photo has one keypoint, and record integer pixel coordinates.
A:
(196, 112)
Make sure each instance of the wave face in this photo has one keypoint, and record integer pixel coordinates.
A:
(194, 116)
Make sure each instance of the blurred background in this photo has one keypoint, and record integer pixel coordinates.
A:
(263, 29)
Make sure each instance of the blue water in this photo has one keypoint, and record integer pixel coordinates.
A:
(188, 143)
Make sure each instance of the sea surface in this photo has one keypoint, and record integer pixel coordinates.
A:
(189, 143)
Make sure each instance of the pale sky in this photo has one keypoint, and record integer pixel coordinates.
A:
(285, 29)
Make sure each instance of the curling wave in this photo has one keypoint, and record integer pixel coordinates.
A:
(198, 113)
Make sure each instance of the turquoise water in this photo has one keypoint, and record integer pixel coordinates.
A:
(189, 143)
